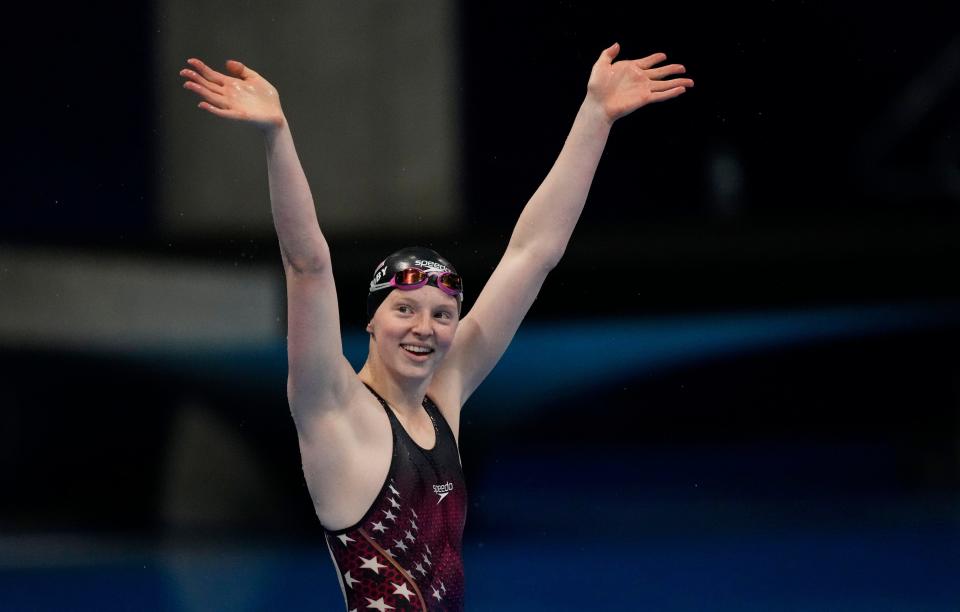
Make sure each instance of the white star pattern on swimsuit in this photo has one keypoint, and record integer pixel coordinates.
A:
(372, 564)
(349, 579)
(377, 604)
(401, 589)
(396, 542)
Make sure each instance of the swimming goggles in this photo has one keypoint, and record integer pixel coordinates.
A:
(414, 278)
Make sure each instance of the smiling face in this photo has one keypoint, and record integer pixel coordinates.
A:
(412, 331)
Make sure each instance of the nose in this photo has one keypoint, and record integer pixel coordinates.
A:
(422, 325)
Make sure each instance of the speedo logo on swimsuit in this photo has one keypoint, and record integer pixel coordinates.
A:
(430, 266)
(442, 490)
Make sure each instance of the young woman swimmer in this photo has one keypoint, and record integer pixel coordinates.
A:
(379, 446)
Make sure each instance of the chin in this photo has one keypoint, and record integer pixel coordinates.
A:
(418, 371)
(412, 375)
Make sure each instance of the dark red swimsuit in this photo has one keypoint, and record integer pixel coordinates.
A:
(405, 553)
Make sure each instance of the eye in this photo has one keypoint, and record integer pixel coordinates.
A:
(444, 314)
(404, 309)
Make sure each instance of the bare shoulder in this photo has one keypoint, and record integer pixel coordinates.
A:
(345, 451)
(339, 417)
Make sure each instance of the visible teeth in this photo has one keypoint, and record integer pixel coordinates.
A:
(417, 349)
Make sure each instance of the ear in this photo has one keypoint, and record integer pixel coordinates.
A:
(370, 327)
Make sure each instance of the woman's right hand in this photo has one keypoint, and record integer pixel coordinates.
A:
(242, 95)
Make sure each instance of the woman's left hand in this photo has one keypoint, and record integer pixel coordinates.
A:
(622, 87)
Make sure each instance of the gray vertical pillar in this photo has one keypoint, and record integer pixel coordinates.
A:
(369, 88)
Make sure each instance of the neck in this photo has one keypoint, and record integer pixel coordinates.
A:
(405, 395)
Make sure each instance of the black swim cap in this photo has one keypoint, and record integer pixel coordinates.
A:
(409, 257)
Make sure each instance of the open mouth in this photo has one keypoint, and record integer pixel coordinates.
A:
(419, 351)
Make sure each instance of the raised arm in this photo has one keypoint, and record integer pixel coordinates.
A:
(318, 372)
(615, 89)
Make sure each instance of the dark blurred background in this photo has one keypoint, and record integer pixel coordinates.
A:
(751, 403)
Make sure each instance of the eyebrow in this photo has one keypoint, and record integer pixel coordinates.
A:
(409, 298)
(406, 297)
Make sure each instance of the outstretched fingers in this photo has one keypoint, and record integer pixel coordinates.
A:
(208, 73)
(210, 96)
(240, 70)
(608, 54)
(659, 96)
(670, 84)
(650, 61)
(219, 112)
(199, 80)
(665, 71)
